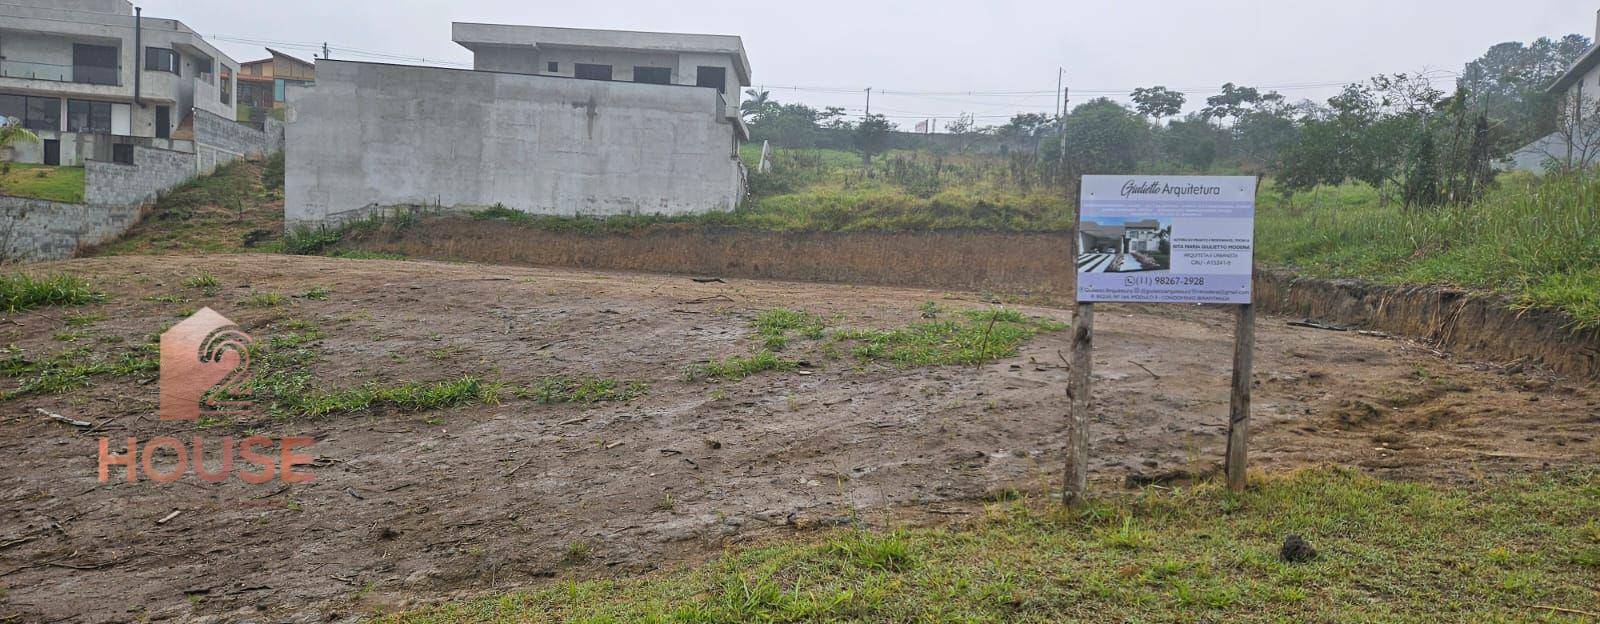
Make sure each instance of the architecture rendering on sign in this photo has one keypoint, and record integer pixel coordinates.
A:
(1577, 142)
(548, 121)
(263, 83)
(92, 79)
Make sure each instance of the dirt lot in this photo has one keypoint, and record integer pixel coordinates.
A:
(415, 506)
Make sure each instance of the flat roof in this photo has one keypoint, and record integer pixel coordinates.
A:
(473, 36)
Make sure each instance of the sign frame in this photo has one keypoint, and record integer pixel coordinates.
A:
(1170, 202)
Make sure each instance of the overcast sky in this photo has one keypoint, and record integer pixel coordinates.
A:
(938, 47)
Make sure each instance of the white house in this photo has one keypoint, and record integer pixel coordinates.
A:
(93, 78)
(1577, 91)
(549, 121)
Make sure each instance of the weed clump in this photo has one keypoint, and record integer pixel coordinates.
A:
(21, 291)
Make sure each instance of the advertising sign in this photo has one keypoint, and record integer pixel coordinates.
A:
(1166, 239)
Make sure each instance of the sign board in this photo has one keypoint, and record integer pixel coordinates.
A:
(1166, 239)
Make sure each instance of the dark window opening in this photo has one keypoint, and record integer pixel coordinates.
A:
(552, 67)
(40, 113)
(226, 91)
(161, 59)
(715, 77)
(92, 64)
(13, 107)
(122, 153)
(86, 116)
(52, 152)
(202, 66)
(653, 75)
(591, 72)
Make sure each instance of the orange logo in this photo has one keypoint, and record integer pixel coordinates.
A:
(205, 361)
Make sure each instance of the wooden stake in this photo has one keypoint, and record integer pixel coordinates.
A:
(1075, 491)
(1244, 342)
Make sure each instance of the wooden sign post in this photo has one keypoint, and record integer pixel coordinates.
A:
(1161, 239)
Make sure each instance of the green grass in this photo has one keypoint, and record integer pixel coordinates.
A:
(971, 337)
(72, 369)
(21, 291)
(1388, 552)
(62, 184)
(1536, 240)
(229, 211)
(738, 367)
(585, 390)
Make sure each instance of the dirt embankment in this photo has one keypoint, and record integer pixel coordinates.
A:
(482, 497)
(1023, 263)
(1472, 323)
(1014, 262)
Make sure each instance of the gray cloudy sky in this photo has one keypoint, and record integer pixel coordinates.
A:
(939, 47)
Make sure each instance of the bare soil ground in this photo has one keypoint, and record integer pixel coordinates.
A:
(410, 507)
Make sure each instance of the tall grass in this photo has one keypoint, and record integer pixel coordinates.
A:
(21, 291)
(1535, 239)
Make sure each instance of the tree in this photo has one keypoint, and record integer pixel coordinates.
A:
(1508, 84)
(1231, 102)
(1158, 102)
(11, 133)
(1575, 144)
(872, 136)
(1194, 142)
(1025, 125)
(962, 125)
(755, 103)
(1105, 137)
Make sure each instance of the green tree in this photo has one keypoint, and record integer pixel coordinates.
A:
(1158, 102)
(1105, 137)
(872, 136)
(755, 102)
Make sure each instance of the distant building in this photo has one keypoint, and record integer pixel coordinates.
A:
(92, 80)
(1576, 90)
(264, 83)
(548, 121)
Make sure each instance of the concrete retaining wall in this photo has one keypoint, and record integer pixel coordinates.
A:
(35, 229)
(371, 135)
(219, 140)
(114, 197)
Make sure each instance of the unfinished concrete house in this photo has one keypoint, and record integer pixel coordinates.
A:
(556, 121)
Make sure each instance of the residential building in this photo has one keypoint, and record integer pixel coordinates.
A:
(93, 78)
(1577, 143)
(548, 121)
(264, 83)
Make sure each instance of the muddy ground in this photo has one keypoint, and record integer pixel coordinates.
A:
(409, 507)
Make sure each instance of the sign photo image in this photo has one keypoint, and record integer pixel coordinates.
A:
(1122, 245)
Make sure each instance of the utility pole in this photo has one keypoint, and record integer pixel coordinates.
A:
(325, 53)
(1060, 74)
(869, 103)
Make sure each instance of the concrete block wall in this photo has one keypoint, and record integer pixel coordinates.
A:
(371, 135)
(36, 230)
(219, 140)
(153, 172)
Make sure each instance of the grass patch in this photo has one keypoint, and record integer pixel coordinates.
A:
(1388, 552)
(1534, 239)
(738, 367)
(21, 291)
(586, 390)
(72, 369)
(62, 184)
(973, 337)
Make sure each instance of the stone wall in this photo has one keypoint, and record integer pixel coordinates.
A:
(36, 229)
